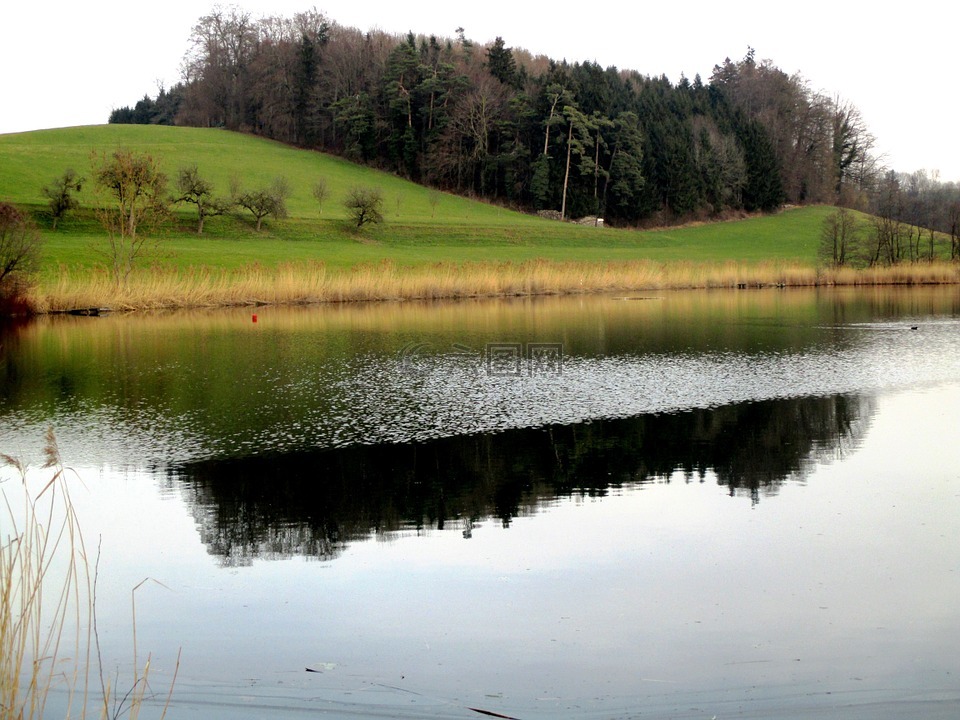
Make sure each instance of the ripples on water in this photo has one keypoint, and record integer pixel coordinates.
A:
(373, 398)
(391, 399)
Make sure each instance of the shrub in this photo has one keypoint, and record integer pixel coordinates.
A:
(364, 205)
(19, 253)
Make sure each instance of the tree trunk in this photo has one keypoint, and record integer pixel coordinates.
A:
(546, 137)
(566, 174)
(596, 167)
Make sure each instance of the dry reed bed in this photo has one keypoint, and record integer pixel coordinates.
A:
(48, 635)
(314, 283)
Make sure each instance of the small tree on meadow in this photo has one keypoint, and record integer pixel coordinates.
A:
(270, 200)
(321, 191)
(364, 205)
(197, 190)
(60, 194)
(132, 202)
(838, 237)
(434, 197)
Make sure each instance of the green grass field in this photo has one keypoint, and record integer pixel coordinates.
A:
(415, 231)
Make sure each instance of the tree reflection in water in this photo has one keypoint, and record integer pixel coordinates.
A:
(313, 503)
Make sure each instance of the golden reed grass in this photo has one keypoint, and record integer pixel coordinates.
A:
(48, 636)
(304, 283)
(45, 595)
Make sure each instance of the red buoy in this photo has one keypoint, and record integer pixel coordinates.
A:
(254, 317)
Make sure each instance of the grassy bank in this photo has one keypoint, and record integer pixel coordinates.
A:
(311, 283)
(231, 243)
(430, 246)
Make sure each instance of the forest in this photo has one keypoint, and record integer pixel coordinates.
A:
(568, 140)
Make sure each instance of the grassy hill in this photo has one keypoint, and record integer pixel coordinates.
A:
(430, 246)
(451, 229)
(30, 160)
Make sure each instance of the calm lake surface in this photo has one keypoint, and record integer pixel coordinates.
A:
(666, 505)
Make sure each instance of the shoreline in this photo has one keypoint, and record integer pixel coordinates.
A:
(313, 283)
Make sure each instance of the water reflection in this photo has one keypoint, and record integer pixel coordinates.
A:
(306, 433)
(314, 503)
(158, 390)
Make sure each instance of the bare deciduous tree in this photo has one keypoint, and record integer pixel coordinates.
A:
(132, 202)
(364, 205)
(464, 148)
(321, 191)
(223, 46)
(195, 189)
(60, 194)
(953, 223)
(434, 197)
(852, 145)
(838, 237)
(266, 201)
(19, 251)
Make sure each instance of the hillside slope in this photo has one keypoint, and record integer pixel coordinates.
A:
(421, 225)
(31, 160)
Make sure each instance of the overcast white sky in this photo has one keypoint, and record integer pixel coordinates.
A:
(68, 63)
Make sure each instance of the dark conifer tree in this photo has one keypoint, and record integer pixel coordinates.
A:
(501, 64)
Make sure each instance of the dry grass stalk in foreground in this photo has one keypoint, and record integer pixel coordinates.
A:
(47, 605)
(313, 282)
(45, 595)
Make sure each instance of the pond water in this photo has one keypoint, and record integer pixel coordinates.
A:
(663, 505)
